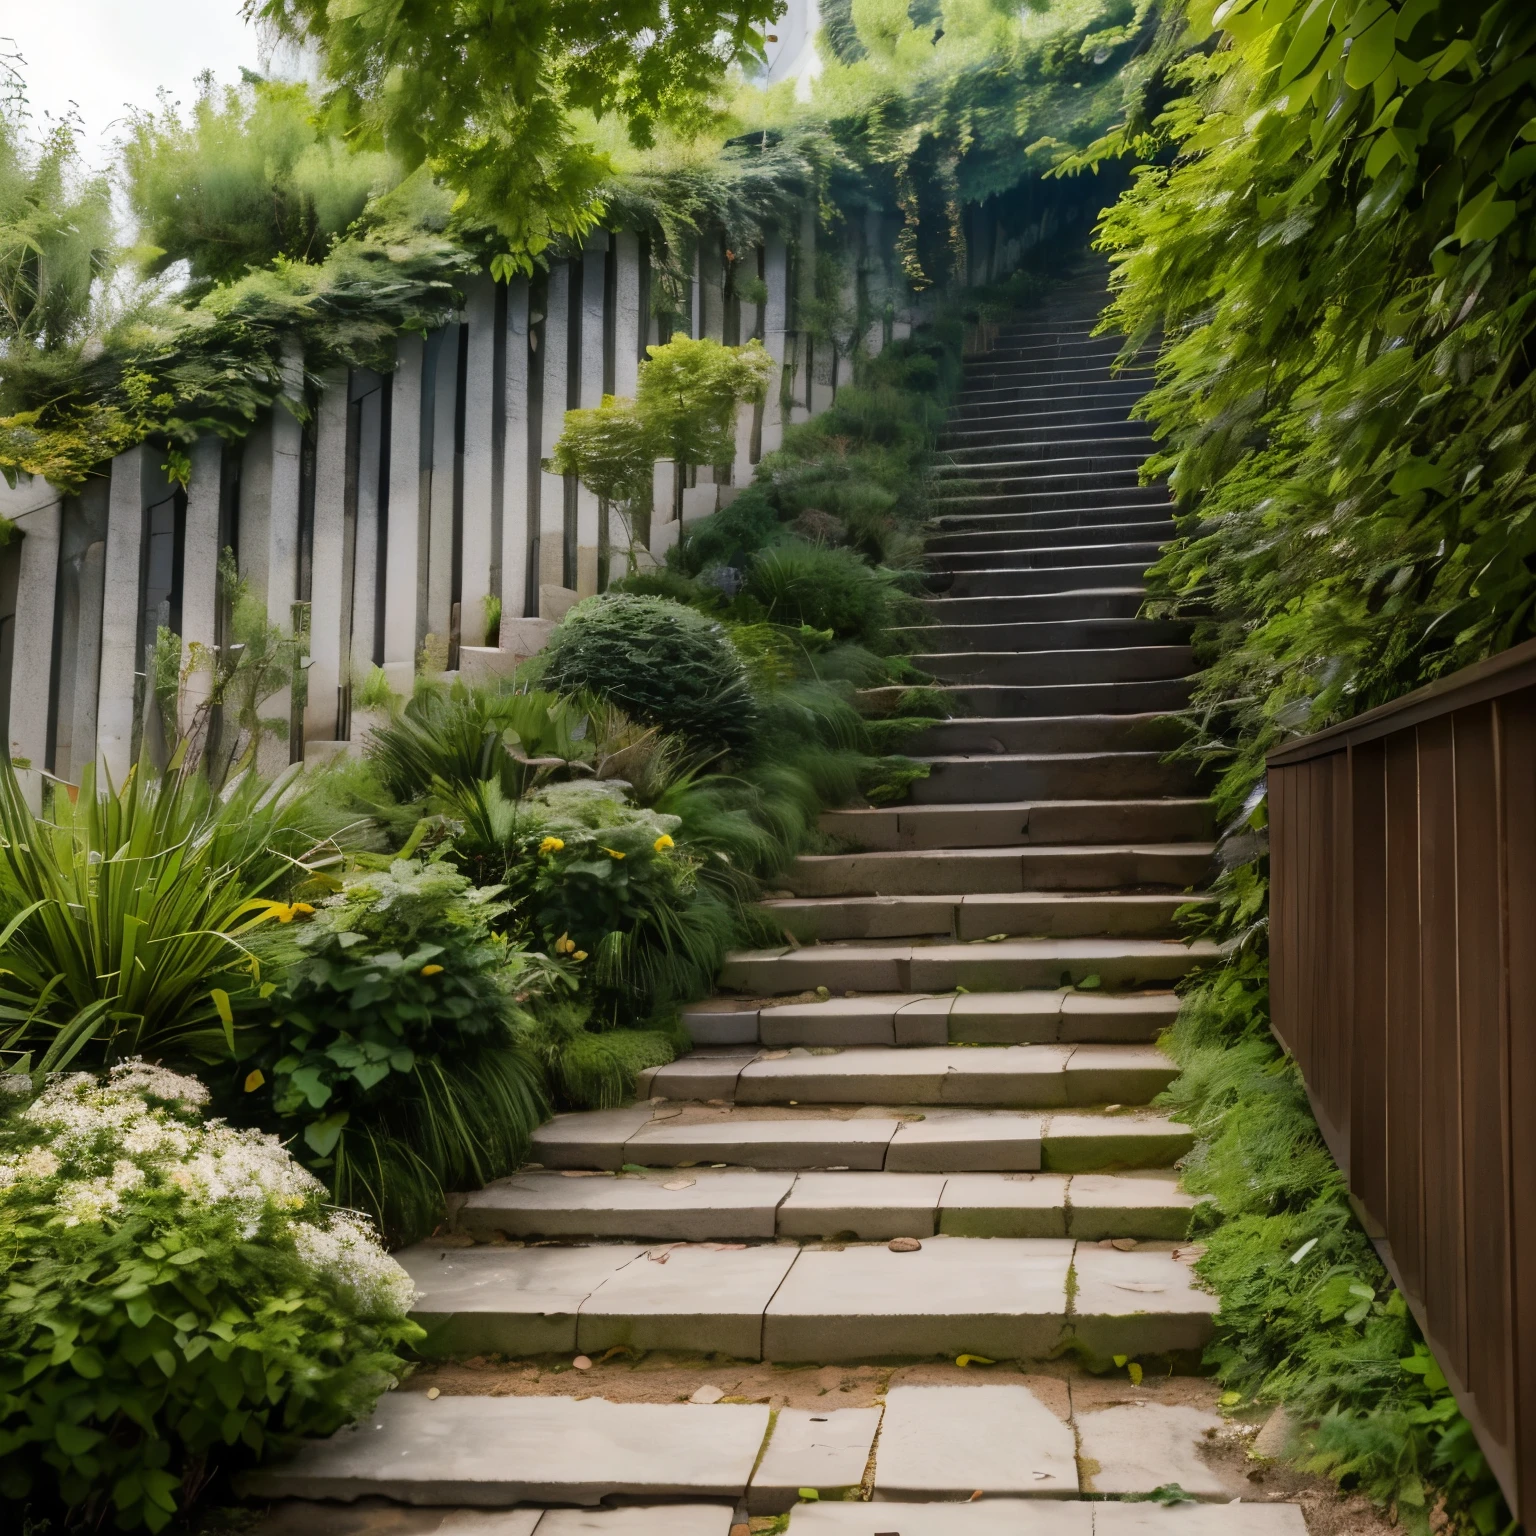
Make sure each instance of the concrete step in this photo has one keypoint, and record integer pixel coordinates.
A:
(959, 497)
(897, 965)
(1008, 1298)
(1100, 664)
(1033, 914)
(1011, 824)
(1127, 551)
(1051, 480)
(1169, 696)
(1020, 1076)
(1121, 604)
(975, 871)
(968, 779)
(1044, 581)
(1035, 426)
(1108, 458)
(1101, 391)
(936, 1140)
(1035, 1517)
(733, 1205)
(908, 1019)
(1001, 735)
(1009, 530)
(1029, 636)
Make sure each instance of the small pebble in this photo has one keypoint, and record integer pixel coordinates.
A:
(434, 1393)
(582, 1362)
(707, 1394)
(1124, 1244)
(904, 1245)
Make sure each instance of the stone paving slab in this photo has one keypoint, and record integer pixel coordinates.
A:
(1004, 1298)
(1087, 1143)
(704, 1074)
(1136, 1447)
(715, 1204)
(638, 1520)
(873, 1206)
(1007, 1018)
(513, 1299)
(589, 1139)
(499, 1451)
(1142, 1302)
(826, 1450)
(925, 1022)
(706, 1299)
(483, 1522)
(1134, 1204)
(986, 1517)
(1117, 1074)
(839, 1021)
(721, 1026)
(961, 1143)
(1111, 1519)
(788, 1143)
(1035, 1075)
(944, 1443)
(1090, 1016)
(1004, 1205)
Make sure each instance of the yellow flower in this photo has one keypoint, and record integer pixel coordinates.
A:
(580, 954)
(282, 911)
(564, 944)
(551, 845)
(430, 970)
(662, 843)
(613, 853)
(254, 1080)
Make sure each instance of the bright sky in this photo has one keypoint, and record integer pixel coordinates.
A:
(104, 55)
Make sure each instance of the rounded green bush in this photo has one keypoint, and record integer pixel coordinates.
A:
(825, 588)
(660, 662)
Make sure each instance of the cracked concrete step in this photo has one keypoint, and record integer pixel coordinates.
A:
(1009, 1298)
(1030, 669)
(897, 1018)
(964, 499)
(997, 735)
(940, 1140)
(952, 526)
(1115, 525)
(1010, 823)
(1033, 914)
(1030, 636)
(1107, 464)
(1023, 1076)
(1028, 1517)
(1075, 422)
(1043, 581)
(1129, 551)
(1101, 391)
(1009, 965)
(1122, 604)
(1169, 696)
(978, 871)
(495, 1452)
(729, 1205)
(972, 778)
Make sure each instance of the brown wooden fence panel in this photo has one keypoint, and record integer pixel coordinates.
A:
(1403, 981)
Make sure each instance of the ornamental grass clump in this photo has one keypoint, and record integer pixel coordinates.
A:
(180, 1300)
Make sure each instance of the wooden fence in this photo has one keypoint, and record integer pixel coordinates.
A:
(1403, 934)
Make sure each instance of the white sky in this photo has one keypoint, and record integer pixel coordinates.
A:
(104, 55)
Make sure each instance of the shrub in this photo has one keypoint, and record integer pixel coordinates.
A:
(660, 662)
(179, 1299)
(827, 589)
(390, 1043)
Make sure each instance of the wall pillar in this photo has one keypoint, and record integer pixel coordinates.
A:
(517, 531)
(200, 575)
(554, 595)
(328, 599)
(32, 656)
(402, 529)
(480, 568)
(775, 324)
(369, 393)
(438, 442)
(630, 327)
(120, 658)
(594, 294)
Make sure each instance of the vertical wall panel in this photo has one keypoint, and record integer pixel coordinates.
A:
(1368, 1103)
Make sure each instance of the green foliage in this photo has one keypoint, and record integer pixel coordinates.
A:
(248, 177)
(660, 662)
(484, 92)
(390, 1042)
(128, 913)
(689, 392)
(610, 449)
(593, 1068)
(178, 1301)
(827, 589)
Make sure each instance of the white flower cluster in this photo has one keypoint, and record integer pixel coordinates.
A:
(105, 1140)
(347, 1253)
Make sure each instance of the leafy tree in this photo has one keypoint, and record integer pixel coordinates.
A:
(246, 177)
(689, 392)
(611, 449)
(482, 90)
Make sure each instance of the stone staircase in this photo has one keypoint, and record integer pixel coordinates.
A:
(922, 1127)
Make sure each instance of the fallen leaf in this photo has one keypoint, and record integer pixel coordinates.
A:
(964, 1360)
(434, 1393)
